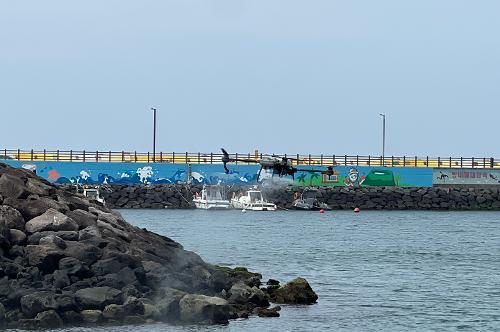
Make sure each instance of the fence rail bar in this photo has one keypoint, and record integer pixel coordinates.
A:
(216, 158)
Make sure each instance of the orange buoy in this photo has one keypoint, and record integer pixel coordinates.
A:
(322, 211)
(356, 210)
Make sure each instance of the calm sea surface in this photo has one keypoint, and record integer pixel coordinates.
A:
(373, 271)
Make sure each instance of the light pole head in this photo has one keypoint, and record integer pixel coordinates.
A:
(153, 109)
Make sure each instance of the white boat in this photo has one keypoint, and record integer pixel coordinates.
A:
(252, 201)
(211, 198)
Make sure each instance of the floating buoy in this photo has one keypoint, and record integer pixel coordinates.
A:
(356, 210)
(243, 210)
(322, 211)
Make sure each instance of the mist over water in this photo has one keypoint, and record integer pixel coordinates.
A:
(390, 271)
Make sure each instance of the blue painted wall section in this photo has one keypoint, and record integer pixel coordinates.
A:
(143, 173)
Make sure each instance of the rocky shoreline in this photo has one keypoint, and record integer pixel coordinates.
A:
(338, 198)
(67, 261)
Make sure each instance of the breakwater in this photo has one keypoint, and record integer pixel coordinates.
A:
(338, 198)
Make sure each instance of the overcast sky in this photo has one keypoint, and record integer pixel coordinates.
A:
(277, 75)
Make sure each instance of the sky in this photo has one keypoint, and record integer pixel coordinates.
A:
(281, 76)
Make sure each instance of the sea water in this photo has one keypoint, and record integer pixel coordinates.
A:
(372, 271)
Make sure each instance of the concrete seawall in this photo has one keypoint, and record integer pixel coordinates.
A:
(338, 198)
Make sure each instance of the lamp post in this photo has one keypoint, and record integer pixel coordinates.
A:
(383, 138)
(154, 133)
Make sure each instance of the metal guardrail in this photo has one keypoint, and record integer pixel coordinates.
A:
(216, 158)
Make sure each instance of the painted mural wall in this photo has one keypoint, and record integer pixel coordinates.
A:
(139, 173)
(461, 176)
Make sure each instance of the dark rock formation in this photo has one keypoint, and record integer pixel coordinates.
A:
(338, 198)
(297, 291)
(65, 260)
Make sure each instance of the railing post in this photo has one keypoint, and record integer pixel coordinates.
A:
(472, 162)
(392, 161)
(236, 161)
(83, 155)
(450, 162)
(461, 162)
(439, 161)
(70, 155)
(199, 158)
(18, 154)
(161, 157)
(57, 155)
(484, 162)
(357, 160)
(109, 156)
(380, 160)
(135, 156)
(123, 156)
(97, 156)
(148, 157)
(492, 162)
(297, 158)
(31, 154)
(369, 160)
(333, 159)
(173, 157)
(427, 161)
(5, 153)
(416, 161)
(186, 157)
(44, 155)
(211, 158)
(249, 158)
(321, 159)
(345, 160)
(404, 161)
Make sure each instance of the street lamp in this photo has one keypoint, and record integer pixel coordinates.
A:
(154, 133)
(383, 138)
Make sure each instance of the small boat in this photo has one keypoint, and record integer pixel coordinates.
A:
(211, 198)
(308, 201)
(253, 201)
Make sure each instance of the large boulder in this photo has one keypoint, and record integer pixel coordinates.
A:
(51, 220)
(44, 257)
(297, 291)
(196, 308)
(85, 218)
(97, 297)
(37, 302)
(49, 319)
(241, 293)
(11, 217)
(11, 186)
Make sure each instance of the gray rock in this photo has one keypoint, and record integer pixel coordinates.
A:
(51, 220)
(89, 232)
(97, 297)
(297, 291)
(37, 302)
(44, 257)
(53, 240)
(11, 186)
(49, 319)
(61, 279)
(17, 237)
(240, 293)
(196, 308)
(91, 316)
(83, 218)
(11, 217)
(73, 266)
